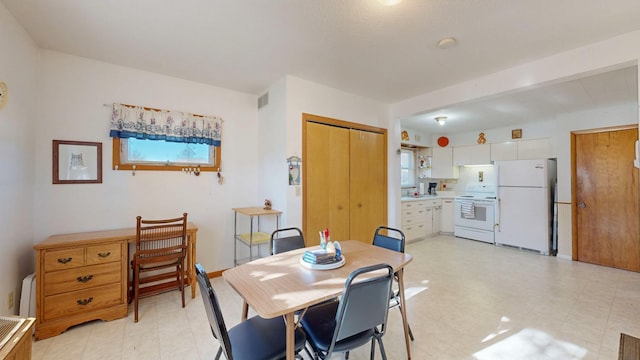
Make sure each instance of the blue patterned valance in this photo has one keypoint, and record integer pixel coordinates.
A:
(129, 121)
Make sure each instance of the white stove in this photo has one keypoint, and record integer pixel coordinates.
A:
(475, 213)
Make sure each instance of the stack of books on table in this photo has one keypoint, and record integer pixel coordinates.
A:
(319, 256)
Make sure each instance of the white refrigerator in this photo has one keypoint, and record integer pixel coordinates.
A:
(524, 209)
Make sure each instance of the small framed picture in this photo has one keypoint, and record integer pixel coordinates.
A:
(516, 133)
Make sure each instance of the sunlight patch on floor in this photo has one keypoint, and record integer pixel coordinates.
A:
(413, 291)
(531, 344)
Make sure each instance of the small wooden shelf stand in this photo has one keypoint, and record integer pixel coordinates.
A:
(255, 236)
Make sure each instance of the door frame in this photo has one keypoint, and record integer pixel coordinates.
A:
(574, 179)
(306, 118)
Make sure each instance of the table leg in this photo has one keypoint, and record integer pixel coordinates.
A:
(190, 263)
(403, 311)
(245, 311)
(291, 328)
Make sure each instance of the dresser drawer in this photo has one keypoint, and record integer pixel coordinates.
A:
(75, 302)
(103, 253)
(81, 278)
(409, 205)
(414, 231)
(63, 259)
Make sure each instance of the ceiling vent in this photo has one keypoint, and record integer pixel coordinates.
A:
(263, 101)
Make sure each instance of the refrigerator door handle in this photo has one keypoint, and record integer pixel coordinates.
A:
(496, 226)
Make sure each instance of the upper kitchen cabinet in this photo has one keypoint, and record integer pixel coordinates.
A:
(472, 155)
(442, 164)
(504, 151)
(534, 149)
(521, 150)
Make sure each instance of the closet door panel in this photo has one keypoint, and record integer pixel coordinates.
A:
(327, 182)
(367, 184)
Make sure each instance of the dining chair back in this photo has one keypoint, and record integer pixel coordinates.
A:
(389, 238)
(253, 339)
(158, 262)
(392, 239)
(286, 239)
(359, 317)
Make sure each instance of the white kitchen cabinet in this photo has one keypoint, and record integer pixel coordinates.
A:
(504, 151)
(533, 149)
(437, 214)
(428, 224)
(442, 164)
(446, 216)
(414, 219)
(472, 155)
(521, 150)
(433, 216)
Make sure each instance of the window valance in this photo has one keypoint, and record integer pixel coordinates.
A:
(128, 121)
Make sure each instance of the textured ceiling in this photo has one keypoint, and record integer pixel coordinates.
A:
(359, 46)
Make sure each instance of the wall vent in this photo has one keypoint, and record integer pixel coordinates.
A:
(263, 101)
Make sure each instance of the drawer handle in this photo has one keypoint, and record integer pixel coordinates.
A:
(85, 301)
(84, 279)
(104, 254)
(64, 260)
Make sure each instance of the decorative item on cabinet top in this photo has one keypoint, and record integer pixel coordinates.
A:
(443, 141)
(516, 133)
(405, 135)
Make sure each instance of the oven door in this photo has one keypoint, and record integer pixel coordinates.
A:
(483, 219)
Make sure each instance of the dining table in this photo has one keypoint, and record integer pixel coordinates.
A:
(281, 285)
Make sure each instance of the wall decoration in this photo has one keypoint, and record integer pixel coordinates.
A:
(4, 94)
(77, 162)
(405, 135)
(516, 133)
(294, 170)
(443, 141)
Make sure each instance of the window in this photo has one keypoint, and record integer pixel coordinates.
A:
(163, 155)
(155, 139)
(407, 168)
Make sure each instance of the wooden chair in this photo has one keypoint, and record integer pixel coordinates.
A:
(158, 263)
(392, 239)
(253, 339)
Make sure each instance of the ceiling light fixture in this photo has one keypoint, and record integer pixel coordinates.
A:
(447, 42)
(389, 2)
(441, 119)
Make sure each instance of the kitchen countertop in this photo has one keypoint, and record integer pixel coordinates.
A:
(441, 195)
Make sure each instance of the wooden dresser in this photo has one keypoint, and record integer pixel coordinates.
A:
(79, 278)
(84, 276)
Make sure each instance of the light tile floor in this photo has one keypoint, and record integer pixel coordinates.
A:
(466, 300)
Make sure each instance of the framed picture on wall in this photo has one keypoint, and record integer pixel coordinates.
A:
(77, 162)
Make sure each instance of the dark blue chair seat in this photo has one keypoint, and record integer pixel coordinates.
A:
(253, 339)
(359, 317)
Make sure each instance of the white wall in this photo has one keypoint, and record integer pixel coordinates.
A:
(73, 92)
(18, 69)
(306, 97)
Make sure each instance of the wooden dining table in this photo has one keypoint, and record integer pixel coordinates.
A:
(279, 285)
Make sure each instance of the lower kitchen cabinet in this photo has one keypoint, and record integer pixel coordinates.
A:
(421, 218)
(447, 214)
(414, 219)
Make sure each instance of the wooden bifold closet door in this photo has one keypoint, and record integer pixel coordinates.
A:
(344, 180)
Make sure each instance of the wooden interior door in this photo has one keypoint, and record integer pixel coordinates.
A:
(606, 203)
(325, 182)
(368, 176)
